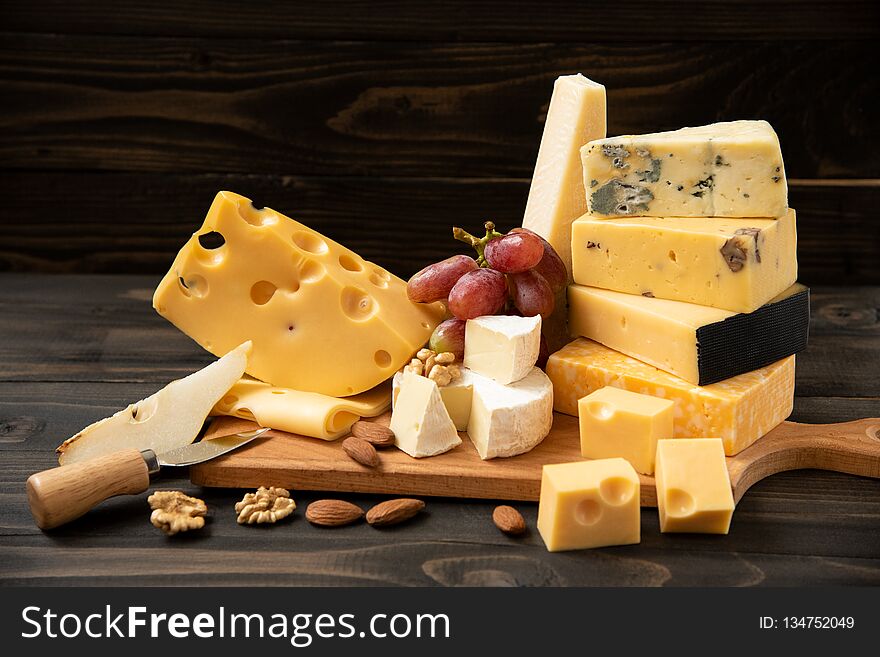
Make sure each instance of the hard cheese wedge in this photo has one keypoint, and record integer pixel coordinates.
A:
(693, 486)
(503, 348)
(576, 115)
(739, 410)
(304, 413)
(321, 318)
(421, 425)
(731, 169)
(702, 345)
(172, 417)
(735, 264)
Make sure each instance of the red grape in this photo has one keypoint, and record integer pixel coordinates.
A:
(551, 266)
(478, 293)
(514, 253)
(435, 282)
(532, 294)
(449, 336)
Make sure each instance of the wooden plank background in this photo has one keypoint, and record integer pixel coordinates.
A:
(384, 123)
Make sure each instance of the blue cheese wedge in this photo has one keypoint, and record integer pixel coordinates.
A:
(731, 169)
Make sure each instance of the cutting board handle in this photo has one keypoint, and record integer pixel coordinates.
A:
(65, 493)
(850, 447)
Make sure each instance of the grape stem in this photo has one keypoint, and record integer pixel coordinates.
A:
(479, 243)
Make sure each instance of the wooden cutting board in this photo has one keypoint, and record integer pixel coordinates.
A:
(301, 463)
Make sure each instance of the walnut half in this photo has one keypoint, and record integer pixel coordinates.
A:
(440, 368)
(266, 505)
(175, 512)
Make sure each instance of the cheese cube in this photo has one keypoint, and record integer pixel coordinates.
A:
(420, 422)
(731, 169)
(504, 348)
(589, 504)
(702, 345)
(738, 410)
(507, 420)
(321, 318)
(456, 397)
(693, 486)
(735, 264)
(615, 422)
(575, 116)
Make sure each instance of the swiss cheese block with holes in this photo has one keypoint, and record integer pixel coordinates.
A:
(700, 344)
(321, 318)
(730, 169)
(589, 504)
(734, 264)
(738, 410)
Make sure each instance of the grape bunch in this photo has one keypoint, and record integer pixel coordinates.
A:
(518, 273)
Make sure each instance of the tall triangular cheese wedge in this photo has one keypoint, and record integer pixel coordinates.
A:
(420, 421)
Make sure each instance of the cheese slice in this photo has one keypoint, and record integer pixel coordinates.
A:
(702, 345)
(731, 169)
(321, 318)
(738, 410)
(503, 348)
(575, 116)
(304, 413)
(457, 397)
(735, 264)
(693, 486)
(507, 420)
(421, 425)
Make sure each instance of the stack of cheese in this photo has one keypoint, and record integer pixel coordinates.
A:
(684, 268)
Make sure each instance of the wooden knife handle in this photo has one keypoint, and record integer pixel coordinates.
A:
(850, 447)
(65, 493)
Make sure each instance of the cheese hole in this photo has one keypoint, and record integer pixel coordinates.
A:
(143, 410)
(357, 304)
(245, 413)
(378, 281)
(193, 286)
(600, 410)
(425, 325)
(310, 242)
(382, 358)
(616, 490)
(256, 216)
(262, 291)
(227, 402)
(349, 264)
(212, 240)
(672, 256)
(679, 503)
(311, 271)
(588, 512)
(279, 392)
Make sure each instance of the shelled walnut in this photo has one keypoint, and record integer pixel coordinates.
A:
(440, 368)
(175, 512)
(265, 506)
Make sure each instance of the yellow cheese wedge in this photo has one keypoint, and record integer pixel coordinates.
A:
(735, 264)
(738, 410)
(305, 413)
(575, 116)
(589, 504)
(321, 318)
(693, 486)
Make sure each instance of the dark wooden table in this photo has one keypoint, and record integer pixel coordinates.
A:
(74, 349)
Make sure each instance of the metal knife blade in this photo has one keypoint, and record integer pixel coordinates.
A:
(207, 449)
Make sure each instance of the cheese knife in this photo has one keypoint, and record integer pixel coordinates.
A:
(59, 495)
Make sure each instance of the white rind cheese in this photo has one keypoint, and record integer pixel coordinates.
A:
(503, 348)
(421, 425)
(731, 169)
(507, 420)
(456, 397)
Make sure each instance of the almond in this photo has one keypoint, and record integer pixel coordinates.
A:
(394, 511)
(333, 513)
(509, 520)
(361, 451)
(376, 434)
